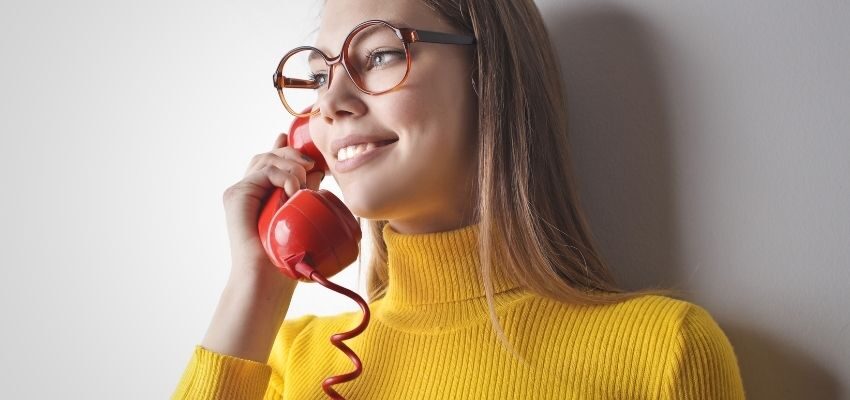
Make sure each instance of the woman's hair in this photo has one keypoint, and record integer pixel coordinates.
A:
(528, 209)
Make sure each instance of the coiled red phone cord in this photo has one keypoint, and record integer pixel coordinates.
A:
(337, 338)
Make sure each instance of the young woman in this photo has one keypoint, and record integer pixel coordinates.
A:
(484, 281)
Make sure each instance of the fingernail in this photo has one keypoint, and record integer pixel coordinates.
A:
(304, 156)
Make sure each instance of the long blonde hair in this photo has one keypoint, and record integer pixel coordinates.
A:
(528, 209)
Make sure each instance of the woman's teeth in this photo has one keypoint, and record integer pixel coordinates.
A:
(351, 151)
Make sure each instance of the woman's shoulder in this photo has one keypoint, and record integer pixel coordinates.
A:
(295, 329)
(303, 326)
(661, 310)
(670, 340)
(660, 319)
(296, 326)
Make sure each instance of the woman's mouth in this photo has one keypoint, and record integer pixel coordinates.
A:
(352, 157)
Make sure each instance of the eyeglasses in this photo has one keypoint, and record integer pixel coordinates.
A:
(375, 54)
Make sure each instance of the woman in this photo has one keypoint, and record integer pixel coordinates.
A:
(477, 231)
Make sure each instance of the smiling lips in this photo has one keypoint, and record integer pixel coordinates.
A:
(351, 157)
(353, 150)
(358, 138)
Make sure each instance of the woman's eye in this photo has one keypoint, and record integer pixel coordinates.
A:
(318, 78)
(380, 59)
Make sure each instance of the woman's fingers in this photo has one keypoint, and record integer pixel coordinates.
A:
(281, 141)
(276, 157)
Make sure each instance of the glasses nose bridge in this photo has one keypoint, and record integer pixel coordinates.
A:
(333, 62)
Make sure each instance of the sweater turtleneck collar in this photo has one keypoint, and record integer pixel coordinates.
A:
(435, 282)
(438, 267)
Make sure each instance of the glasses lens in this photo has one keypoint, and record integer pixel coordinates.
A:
(377, 58)
(304, 74)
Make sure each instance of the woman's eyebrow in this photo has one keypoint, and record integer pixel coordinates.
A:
(314, 56)
(393, 21)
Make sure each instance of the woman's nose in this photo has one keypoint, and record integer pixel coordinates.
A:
(341, 96)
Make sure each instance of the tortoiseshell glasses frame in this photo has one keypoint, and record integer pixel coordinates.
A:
(407, 36)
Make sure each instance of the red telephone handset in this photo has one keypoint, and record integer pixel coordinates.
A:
(311, 237)
(313, 226)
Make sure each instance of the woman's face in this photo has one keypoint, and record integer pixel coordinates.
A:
(425, 181)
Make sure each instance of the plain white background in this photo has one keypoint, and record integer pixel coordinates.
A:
(710, 140)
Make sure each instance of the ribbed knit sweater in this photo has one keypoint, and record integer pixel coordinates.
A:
(430, 337)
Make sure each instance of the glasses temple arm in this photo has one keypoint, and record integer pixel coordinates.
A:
(294, 83)
(439, 37)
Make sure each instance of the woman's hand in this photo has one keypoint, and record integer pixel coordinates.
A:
(256, 298)
(282, 167)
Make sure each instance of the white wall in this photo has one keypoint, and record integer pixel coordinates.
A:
(710, 140)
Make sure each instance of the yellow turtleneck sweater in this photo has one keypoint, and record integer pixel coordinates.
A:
(430, 338)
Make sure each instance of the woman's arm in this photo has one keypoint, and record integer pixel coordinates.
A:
(231, 361)
(249, 315)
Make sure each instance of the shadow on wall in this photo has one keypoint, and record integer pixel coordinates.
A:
(772, 369)
(621, 136)
(622, 139)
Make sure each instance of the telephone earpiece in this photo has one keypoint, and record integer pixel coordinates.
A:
(313, 228)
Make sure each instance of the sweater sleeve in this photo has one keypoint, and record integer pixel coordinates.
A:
(210, 375)
(703, 365)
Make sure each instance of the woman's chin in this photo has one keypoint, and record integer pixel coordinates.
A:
(364, 205)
